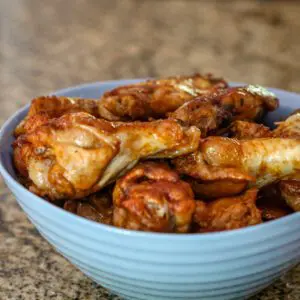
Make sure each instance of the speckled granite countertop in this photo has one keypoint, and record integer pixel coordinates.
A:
(47, 45)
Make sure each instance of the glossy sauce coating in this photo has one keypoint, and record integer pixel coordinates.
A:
(77, 154)
(155, 98)
(151, 197)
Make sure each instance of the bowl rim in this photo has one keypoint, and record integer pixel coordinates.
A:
(121, 231)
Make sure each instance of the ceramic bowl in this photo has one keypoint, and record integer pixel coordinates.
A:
(141, 265)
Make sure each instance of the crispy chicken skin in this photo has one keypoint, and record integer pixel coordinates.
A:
(258, 161)
(155, 98)
(271, 201)
(213, 111)
(243, 103)
(77, 154)
(246, 103)
(243, 130)
(203, 114)
(151, 197)
(42, 109)
(228, 213)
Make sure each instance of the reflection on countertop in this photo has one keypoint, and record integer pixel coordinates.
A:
(47, 45)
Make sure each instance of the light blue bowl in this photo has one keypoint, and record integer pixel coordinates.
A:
(141, 265)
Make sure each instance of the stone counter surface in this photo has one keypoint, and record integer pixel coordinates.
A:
(48, 45)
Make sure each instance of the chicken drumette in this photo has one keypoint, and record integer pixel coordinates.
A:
(151, 197)
(155, 98)
(77, 154)
(257, 162)
(290, 128)
(213, 111)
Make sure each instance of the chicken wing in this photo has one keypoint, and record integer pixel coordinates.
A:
(77, 154)
(155, 98)
(288, 187)
(151, 197)
(243, 103)
(247, 103)
(260, 161)
(42, 109)
(228, 213)
(213, 112)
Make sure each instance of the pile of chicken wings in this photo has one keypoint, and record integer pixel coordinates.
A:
(185, 154)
